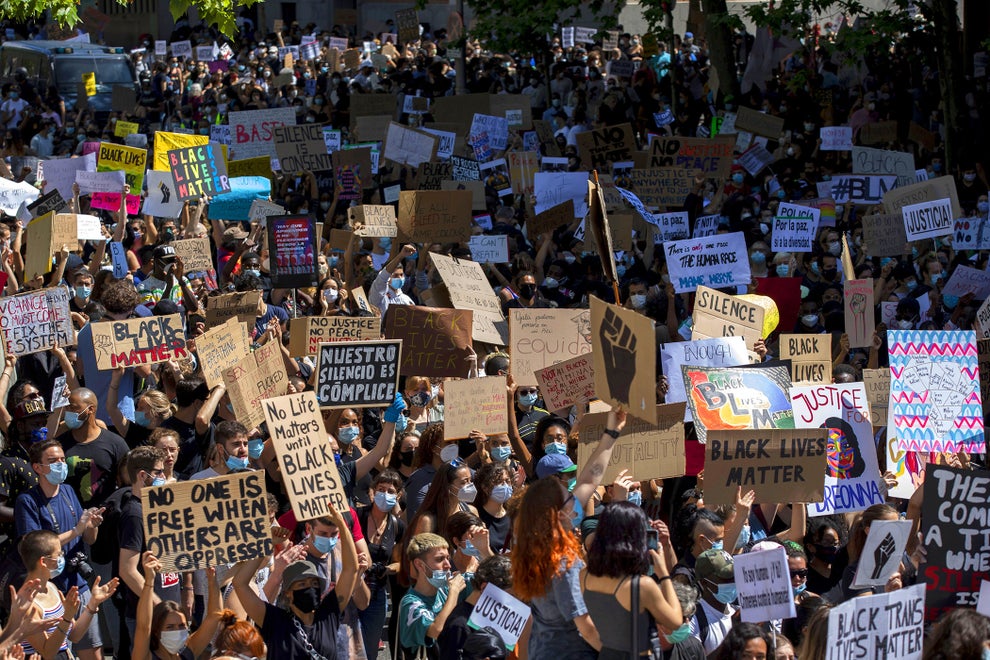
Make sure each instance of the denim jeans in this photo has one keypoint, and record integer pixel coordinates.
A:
(372, 622)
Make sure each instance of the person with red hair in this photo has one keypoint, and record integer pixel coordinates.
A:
(547, 557)
(238, 638)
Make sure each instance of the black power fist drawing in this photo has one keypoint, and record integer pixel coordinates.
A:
(618, 351)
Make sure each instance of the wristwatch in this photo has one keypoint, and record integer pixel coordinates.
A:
(612, 432)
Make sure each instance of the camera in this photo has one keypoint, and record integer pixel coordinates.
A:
(80, 564)
(375, 575)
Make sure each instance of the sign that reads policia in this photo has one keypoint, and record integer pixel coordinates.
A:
(198, 171)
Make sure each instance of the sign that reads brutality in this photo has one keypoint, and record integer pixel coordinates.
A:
(36, 321)
(648, 451)
(787, 464)
(437, 341)
(191, 525)
(888, 625)
(359, 374)
(139, 341)
(198, 171)
(954, 512)
(304, 455)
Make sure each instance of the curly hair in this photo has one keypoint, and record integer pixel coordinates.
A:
(542, 545)
(487, 477)
(959, 635)
(238, 637)
(429, 441)
(740, 634)
(542, 427)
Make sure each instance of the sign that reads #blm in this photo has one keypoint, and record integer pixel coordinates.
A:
(358, 374)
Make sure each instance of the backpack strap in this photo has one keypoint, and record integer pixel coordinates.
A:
(634, 611)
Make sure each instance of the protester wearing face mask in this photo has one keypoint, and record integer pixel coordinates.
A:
(528, 415)
(707, 531)
(93, 450)
(387, 287)
(403, 459)
(828, 557)
(494, 490)
(713, 618)
(451, 490)
(527, 294)
(969, 186)
(434, 595)
(783, 265)
(330, 301)
(469, 542)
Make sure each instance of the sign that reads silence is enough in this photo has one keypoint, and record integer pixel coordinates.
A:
(358, 374)
(191, 525)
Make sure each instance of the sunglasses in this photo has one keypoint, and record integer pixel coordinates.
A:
(532, 391)
(803, 573)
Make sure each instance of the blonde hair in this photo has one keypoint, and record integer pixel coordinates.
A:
(420, 544)
(158, 403)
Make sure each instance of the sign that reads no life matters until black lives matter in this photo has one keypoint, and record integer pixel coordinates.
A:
(359, 374)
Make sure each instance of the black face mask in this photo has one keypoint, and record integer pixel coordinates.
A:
(527, 290)
(306, 600)
(406, 457)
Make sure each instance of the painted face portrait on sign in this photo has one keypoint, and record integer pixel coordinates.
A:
(843, 460)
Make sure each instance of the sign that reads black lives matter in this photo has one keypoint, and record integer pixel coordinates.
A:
(360, 374)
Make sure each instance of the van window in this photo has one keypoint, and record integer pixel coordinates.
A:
(68, 71)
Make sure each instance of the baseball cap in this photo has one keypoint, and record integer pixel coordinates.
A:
(554, 463)
(164, 251)
(30, 408)
(714, 565)
(234, 233)
(300, 570)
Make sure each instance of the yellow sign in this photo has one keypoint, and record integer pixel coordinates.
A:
(89, 80)
(164, 142)
(131, 160)
(125, 128)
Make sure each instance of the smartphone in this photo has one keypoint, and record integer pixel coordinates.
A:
(653, 543)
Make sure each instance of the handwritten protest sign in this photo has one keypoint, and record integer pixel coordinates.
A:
(554, 188)
(881, 554)
(492, 249)
(624, 350)
(934, 390)
(787, 465)
(710, 155)
(753, 397)
(885, 234)
(763, 583)
(864, 189)
(36, 321)
(195, 253)
(253, 131)
(852, 473)
(357, 374)
(409, 146)
(954, 511)
(539, 338)
(877, 382)
(662, 186)
(198, 171)
(715, 352)
(192, 525)
(713, 261)
(795, 228)
(878, 132)
(928, 219)
(307, 333)
(51, 201)
(301, 148)
(257, 376)
(836, 138)
(436, 342)
(810, 356)
(474, 404)
(139, 341)
(166, 142)
(718, 314)
(887, 625)
(670, 226)
(428, 216)
(243, 305)
(983, 320)
(866, 160)
(944, 187)
(598, 148)
(468, 288)
(501, 612)
(859, 312)
(220, 347)
(304, 455)
(567, 383)
(647, 450)
(754, 121)
(966, 280)
(372, 220)
(970, 233)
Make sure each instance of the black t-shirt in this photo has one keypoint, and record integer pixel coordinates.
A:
(285, 641)
(455, 632)
(130, 536)
(498, 530)
(192, 446)
(93, 465)
(16, 477)
(136, 435)
(358, 494)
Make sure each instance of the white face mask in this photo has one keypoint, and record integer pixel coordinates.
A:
(638, 300)
(174, 640)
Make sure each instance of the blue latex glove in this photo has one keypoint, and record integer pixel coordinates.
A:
(393, 412)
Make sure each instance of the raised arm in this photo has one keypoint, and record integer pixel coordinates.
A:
(347, 579)
(591, 474)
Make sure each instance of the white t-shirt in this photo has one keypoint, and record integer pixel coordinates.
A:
(719, 625)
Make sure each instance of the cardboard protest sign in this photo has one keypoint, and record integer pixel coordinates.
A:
(258, 166)
(928, 219)
(753, 121)
(983, 320)
(301, 148)
(647, 450)
(598, 148)
(887, 625)
(257, 376)
(166, 142)
(752, 397)
(755, 158)
(852, 474)
(373, 220)
(357, 374)
(953, 514)
(198, 171)
(878, 132)
(877, 382)
(292, 242)
(474, 404)
(429, 216)
(36, 321)
(307, 333)
(550, 219)
(662, 186)
(763, 582)
(554, 188)
(944, 187)
(881, 555)
(539, 338)
(712, 156)
(195, 253)
(860, 317)
(810, 357)
(436, 341)
(836, 138)
(253, 131)
(489, 249)
(567, 383)
(783, 465)
(243, 305)
(714, 352)
(934, 390)
(192, 525)
(409, 146)
(60, 173)
(714, 261)
(624, 352)
(221, 347)
(718, 314)
(501, 612)
(866, 160)
(138, 341)
(885, 234)
(468, 288)
(304, 455)
(795, 228)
